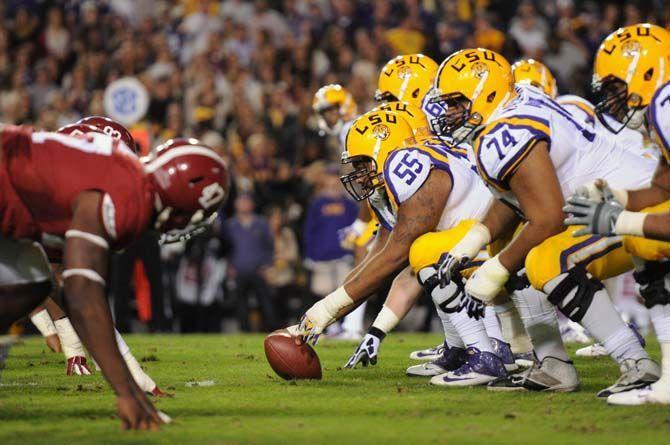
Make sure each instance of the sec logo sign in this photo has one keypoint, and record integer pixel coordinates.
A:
(126, 100)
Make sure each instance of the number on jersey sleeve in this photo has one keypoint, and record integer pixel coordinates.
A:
(405, 171)
(504, 144)
(658, 117)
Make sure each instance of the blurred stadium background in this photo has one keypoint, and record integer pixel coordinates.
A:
(240, 75)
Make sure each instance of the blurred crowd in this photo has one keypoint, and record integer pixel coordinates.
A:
(240, 75)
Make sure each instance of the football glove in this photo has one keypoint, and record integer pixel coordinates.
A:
(368, 350)
(599, 217)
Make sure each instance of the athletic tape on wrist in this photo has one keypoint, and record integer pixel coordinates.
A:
(386, 320)
(630, 223)
(43, 322)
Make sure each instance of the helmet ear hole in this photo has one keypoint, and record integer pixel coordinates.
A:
(491, 97)
(649, 74)
(415, 93)
(196, 180)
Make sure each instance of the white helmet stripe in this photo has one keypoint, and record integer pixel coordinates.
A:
(161, 160)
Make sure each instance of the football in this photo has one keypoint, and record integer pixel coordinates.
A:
(289, 360)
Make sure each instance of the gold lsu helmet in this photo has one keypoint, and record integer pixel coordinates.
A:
(631, 63)
(470, 85)
(535, 73)
(414, 116)
(333, 97)
(406, 78)
(369, 140)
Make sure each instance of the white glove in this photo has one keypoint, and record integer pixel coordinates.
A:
(322, 314)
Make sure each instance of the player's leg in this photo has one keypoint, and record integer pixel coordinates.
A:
(569, 271)
(482, 365)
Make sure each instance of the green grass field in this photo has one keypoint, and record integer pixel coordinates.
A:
(248, 404)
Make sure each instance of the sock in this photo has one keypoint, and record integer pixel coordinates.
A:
(660, 317)
(539, 318)
(142, 379)
(43, 322)
(491, 323)
(513, 331)
(471, 331)
(605, 325)
(450, 333)
(353, 322)
(69, 339)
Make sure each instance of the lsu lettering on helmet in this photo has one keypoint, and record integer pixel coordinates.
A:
(334, 106)
(535, 73)
(406, 78)
(630, 65)
(191, 183)
(412, 114)
(369, 141)
(113, 129)
(470, 85)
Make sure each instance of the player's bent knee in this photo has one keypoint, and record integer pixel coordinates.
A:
(427, 249)
(18, 300)
(574, 294)
(447, 299)
(536, 267)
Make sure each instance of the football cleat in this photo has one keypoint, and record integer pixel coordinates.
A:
(525, 359)
(646, 395)
(594, 350)
(77, 365)
(430, 354)
(450, 360)
(551, 374)
(479, 368)
(504, 351)
(634, 374)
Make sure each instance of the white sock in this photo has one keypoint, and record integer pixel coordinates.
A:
(539, 318)
(450, 333)
(43, 322)
(513, 331)
(605, 325)
(353, 322)
(471, 331)
(491, 323)
(142, 379)
(69, 340)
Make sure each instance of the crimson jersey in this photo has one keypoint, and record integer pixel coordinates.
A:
(42, 174)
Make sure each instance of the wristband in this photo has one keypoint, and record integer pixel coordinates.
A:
(630, 223)
(488, 280)
(386, 320)
(43, 322)
(477, 237)
(377, 333)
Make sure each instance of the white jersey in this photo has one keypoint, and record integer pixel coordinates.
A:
(406, 171)
(658, 119)
(583, 109)
(579, 153)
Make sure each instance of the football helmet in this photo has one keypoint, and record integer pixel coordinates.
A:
(412, 114)
(113, 129)
(535, 73)
(191, 183)
(471, 84)
(406, 78)
(368, 143)
(630, 65)
(333, 98)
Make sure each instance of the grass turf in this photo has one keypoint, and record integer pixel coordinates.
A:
(249, 404)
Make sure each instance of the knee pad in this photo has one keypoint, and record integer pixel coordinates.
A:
(652, 283)
(447, 299)
(575, 304)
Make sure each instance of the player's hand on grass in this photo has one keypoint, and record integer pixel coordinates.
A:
(77, 365)
(368, 350)
(137, 412)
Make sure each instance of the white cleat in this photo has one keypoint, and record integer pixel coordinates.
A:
(647, 395)
(594, 350)
(635, 374)
(428, 355)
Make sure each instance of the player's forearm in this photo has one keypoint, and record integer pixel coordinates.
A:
(404, 293)
(376, 271)
(500, 220)
(657, 226)
(91, 318)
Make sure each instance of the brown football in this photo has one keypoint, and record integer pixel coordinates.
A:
(289, 360)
